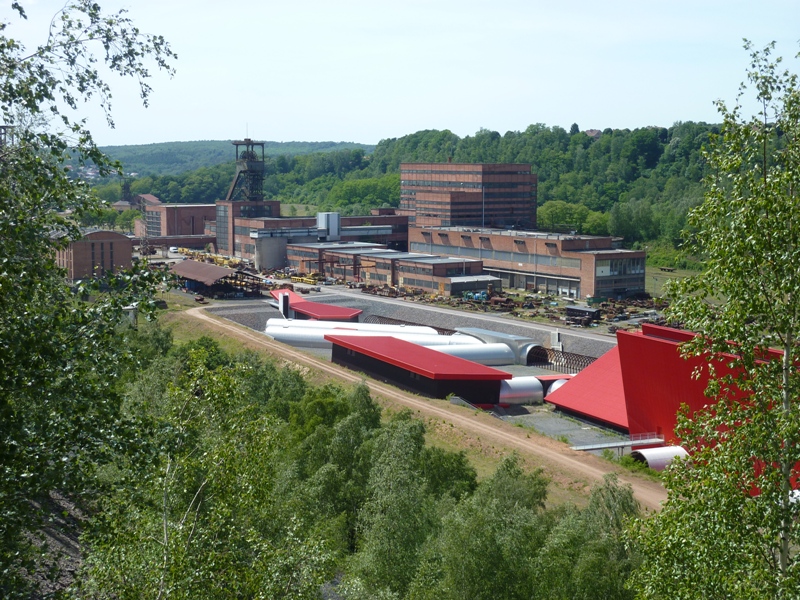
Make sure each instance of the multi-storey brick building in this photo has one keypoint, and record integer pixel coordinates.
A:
(96, 254)
(166, 220)
(568, 265)
(461, 194)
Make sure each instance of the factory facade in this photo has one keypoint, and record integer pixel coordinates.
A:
(96, 254)
(165, 220)
(454, 220)
(467, 194)
(576, 266)
(377, 265)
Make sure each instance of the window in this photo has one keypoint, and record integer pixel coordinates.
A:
(222, 227)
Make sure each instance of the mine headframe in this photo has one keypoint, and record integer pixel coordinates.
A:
(248, 182)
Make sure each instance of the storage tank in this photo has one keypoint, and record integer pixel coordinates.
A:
(659, 459)
(483, 354)
(521, 390)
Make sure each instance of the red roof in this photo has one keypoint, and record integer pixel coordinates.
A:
(325, 312)
(292, 296)
(417, 359)
(596, 392)
(317, 310)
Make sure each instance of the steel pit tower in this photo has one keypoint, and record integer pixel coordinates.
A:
(245, 197)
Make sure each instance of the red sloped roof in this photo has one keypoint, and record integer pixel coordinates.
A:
(325, 312)
(292, 296)
(596, 392)
(317, 310)
(417, 359)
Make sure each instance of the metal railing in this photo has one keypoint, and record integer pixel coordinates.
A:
(637, 439)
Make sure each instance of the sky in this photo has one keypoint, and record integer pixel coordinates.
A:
(366, 70)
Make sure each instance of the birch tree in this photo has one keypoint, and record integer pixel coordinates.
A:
(730, 526)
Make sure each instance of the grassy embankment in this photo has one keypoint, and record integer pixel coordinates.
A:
(483, 455)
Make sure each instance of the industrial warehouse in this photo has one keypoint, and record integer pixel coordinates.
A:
(458, 228)
(635, 388)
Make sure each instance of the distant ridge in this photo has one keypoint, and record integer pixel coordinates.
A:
(172, 158)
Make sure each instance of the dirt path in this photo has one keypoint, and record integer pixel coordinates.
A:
(557, 459)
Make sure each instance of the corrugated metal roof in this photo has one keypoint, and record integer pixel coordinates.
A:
(418, 359)
(205, 273)
(596, 392)
(317, 310)
(325, 312)
(474, 278)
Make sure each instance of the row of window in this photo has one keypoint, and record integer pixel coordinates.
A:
(444, 172)
(537, 260)
(256, 211)
(461, 184)
(102, 264)
(619, 266)
(425, 284)
(222, 227)
(153, 223)
(305, 253)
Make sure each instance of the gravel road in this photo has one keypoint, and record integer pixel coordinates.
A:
(557, 459)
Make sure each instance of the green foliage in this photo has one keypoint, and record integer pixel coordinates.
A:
(99, 217)
(196, 522)
(447, 473)
(174, 158)
(584, 556)
(124, 220)
(729, 527)
(60, 358)
(501, 543)
(358, 196)
(398, 515)
(637, 184)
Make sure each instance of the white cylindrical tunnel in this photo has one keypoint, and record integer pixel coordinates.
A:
(315, 338)
(659, 459)
(555, 385)
(484, 354)
(303, 324)
(530, 354)
(521, 390)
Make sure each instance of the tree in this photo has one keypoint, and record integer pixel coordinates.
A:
(125, 219)
(59, 357)
(202, 518)
(730, 526)
(397, 516)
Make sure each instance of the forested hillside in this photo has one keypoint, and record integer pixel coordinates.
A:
(172, 158)
(636, 184)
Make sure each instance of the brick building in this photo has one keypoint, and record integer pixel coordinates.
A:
(167, 220)
(576, 266)
(96, 254)
(463, 194)
(371, 264)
